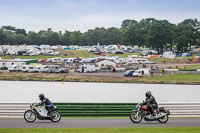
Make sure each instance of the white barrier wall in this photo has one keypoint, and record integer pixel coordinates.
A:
(28, 91)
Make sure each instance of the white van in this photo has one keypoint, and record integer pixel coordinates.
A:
(29, 68)
(14, 68)
(141, 73)
(87, 68)
(50, 68)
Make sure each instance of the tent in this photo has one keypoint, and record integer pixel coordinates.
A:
(186, 54)
(106, 63)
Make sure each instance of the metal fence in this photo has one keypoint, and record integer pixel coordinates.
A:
(15, 110)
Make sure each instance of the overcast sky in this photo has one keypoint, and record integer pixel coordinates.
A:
(35, 15)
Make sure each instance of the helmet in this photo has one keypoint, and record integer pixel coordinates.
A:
(41, 96)
(148, 94)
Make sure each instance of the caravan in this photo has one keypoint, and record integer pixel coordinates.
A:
(141, 73)
(14, 68)
(168, 54)
(50, 69)
(29, 68)
(87, 69)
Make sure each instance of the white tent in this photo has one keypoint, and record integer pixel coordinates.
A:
(169, 54)
(106, 63)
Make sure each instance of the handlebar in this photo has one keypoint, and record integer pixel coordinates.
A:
(35, 104)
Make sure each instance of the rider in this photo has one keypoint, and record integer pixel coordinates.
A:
(48, 104)
(151, 102)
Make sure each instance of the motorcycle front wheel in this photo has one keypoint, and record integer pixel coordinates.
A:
(135, 118)
(30, 116)
(164, 118)
(55, 116)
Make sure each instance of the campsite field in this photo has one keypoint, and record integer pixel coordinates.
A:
(102, 130)
(64, 54)
(68, 54)
(85, 54)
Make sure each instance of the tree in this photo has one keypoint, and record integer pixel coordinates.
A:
(2, 37)
(126, 24)
(10, 38)
(10, 28)
(132, 36)
(159, 34)
(33, 38)
(83, 41)
(21, 31)
(113, 36)
(187, 34)
(65, 38)
(151, 33)
(75, 38)
(53, 38)
(20, 39)
(43, 37)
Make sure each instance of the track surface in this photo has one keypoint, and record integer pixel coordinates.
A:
(97, 123)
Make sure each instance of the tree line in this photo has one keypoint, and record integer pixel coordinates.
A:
(149, 32)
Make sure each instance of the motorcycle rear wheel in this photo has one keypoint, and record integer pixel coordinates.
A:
(163, 119)
(55, 116)
(30, 116)
(134, 118)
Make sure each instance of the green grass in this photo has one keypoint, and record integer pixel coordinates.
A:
(31, 57)
(102, 130)
(125, 55)
(70, 54)
(160, 60)
(177, 78)
(79, 53)
(189, 67)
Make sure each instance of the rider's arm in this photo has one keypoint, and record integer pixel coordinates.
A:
(42, 102)
(144, 103)
(148, 101)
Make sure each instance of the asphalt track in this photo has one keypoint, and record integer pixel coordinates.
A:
(97, 123)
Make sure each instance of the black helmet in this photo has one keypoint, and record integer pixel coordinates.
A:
(41, 96)
(148, 94)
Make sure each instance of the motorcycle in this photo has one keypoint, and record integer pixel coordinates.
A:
(142, 112)
(41, 113)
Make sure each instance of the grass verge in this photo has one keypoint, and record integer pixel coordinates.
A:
(173, 79)
(102, 130)
(176, 78)
(189, 67)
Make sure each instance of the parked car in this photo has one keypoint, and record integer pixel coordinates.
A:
(62, 70)
(129, 73)
(77, 60)
(118, 52)
(42, 60)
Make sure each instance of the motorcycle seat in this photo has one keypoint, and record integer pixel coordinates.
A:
(161, 108)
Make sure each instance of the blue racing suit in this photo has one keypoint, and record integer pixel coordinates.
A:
(48, 104)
